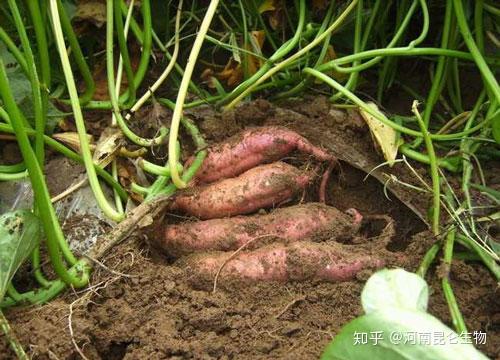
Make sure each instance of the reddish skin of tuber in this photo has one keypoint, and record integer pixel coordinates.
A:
(312, 221)
(253, 147)
(298, 261)
(260, 187)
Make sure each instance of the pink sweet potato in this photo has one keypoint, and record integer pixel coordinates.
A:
(253, 147)
(312, 221)
(260, 187)
(331, 262)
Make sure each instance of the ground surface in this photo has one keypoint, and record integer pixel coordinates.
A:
(152, 312)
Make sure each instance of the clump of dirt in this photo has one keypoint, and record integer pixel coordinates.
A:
(61, 173)
(10, 154)
(145, 307)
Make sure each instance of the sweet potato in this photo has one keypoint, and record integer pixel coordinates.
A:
(312, 221)
(253, 147)
(298, 261)
(260, 187)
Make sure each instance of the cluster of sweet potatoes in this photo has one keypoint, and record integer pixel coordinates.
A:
(242, 176)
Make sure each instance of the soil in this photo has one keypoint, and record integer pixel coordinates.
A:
(143, 306)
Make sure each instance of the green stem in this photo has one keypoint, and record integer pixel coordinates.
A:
(450, 164)
(428, 259)
(358, 46)
(181, 95)
(397, 36)
(156, 169)
(40, 114)
(283, 64)
(456, 315)
(486, 73)
(122, 42)
(44, 58)
(382, 118)
(111, 87)
(146, 43)
(12, 168)
(73, 156)
(242, 89)
(11, 338)
(434, 171)
(77, 54)
(488, 261)
(14, 50)
(335, 64)
(53, 232)
(78, 116)
(35, 263)
(13, 176)
(439, 75)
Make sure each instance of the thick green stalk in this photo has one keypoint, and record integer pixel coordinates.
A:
(358, 46)
(55, 238)
(382, 118)
(283, 64)
(13, 176)
(399, 33)
(12, 168)
(14, 50)
(125, 58)
(11, 338)
(335, 64)
(77, 54)
(146, 43)
(487, 74)
(77, 113)
(111, 87)
(440, 73)
(456, 315)
(182, 93)
(43, 49)
(281, 52)
(40, 112)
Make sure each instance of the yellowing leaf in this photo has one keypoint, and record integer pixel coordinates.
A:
(233, 72)
(71, 139)
(93, 11)
(257, 41)
(383, 135)
(267, 5)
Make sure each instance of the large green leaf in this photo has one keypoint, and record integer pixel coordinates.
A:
(20, 87)
(402, 334)
(20, 231)
(396, 325)
(395, 288)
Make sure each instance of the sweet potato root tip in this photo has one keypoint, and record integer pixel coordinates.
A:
(324, 181)
(260, 187)
(312, 221)
(298, 261)
(253, 147)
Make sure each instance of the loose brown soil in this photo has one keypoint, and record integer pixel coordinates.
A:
(146, 307)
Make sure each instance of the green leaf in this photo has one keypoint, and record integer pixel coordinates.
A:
(54, 115)
(387, 289)
(22, 93)
(20, 86)
(8, 59)
(20, 231)
(396, 334)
